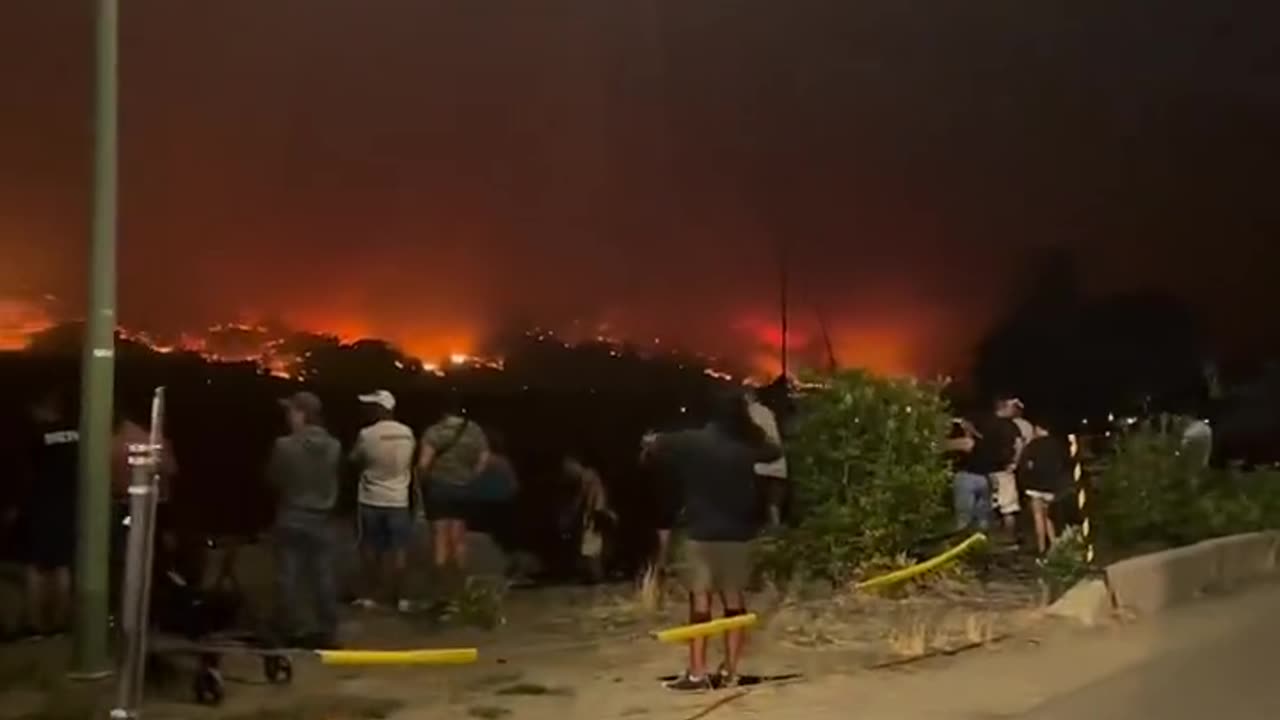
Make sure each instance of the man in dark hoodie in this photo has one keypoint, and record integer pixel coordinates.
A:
(715, 470)
(304, 471)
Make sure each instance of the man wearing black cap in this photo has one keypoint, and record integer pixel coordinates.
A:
(304, 471)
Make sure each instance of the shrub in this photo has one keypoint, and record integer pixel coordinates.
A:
(1064, 565)
(870, 479)
(1152, 491)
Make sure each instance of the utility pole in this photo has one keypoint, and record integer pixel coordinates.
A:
(93, 550)
(784, 273)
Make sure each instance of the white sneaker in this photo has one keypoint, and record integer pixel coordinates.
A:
(364, 604)
(405, 605)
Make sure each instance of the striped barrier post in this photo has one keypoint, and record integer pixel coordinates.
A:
(1082, 497)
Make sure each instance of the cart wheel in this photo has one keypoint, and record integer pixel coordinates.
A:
(209, 687)
(278, 669)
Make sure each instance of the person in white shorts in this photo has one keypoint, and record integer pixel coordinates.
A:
(1004, 439)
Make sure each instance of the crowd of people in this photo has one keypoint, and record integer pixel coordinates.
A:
(1001, 458)
(720, 482)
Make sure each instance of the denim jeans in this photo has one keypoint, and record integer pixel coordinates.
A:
(972, 500)
(305, 573)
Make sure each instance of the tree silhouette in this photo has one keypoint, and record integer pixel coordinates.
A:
(1069, 356)
(1032, 350)
(359, 366)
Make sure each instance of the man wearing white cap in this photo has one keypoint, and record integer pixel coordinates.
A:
(384, 453)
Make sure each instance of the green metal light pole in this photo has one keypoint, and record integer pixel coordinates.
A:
(90, 658)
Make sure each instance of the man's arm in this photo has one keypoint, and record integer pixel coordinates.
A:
(482, 440)
(357, 450)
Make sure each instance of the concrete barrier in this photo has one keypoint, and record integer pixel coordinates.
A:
(1151, 583)
(1242, 558)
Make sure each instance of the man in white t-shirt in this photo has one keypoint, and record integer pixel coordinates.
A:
(384, 453)
(772, 475)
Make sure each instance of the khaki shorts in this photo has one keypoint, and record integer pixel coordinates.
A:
(1006, 492)
(717, 567)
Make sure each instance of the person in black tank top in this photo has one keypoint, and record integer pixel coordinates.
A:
(53, 451)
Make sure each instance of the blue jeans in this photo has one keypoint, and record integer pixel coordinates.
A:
(972, 500)
(305, 573)
(385, 529)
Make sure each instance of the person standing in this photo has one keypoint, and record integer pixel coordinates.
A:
(971, 490)
(595, 518)
(133, 427)
(1044, 475)
(50, 515)
(715, 468)
(384, 454)
(998, 447)
(451, 454)
(304, 471)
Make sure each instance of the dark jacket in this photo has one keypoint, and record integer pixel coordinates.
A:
(1045, 466)
(716, 476)
(304, 470)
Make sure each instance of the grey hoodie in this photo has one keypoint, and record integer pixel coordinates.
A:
(304, 469)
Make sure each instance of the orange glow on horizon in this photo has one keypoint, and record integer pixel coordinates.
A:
(889, 349)
(19, 321)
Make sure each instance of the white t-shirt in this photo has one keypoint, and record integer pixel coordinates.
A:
(763, 417)
(385, 449)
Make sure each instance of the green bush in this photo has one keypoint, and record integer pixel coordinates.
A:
(1064, 565)
(869, 476)
(1152, 491)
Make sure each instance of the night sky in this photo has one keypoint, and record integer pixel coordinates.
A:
(432, 171)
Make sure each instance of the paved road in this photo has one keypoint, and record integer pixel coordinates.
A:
(1218, 658)
(1229, 672)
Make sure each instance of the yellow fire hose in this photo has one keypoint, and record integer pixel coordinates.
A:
(684, 633)
(921, 568)
(455, 656)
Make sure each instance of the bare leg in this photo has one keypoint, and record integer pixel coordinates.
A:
(1038, 515)
(458, 540)
(735, 640)
(1049, 530)
(699, 611)
(440, 543)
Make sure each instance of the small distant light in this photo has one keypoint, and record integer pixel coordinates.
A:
(458, 358)
(683, 409)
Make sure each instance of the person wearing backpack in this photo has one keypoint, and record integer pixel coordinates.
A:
(451, 455)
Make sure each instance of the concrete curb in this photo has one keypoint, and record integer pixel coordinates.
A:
(1148, 584)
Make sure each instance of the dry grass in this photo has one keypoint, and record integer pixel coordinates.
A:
(979, 628)
(649, 590)
(910, 639)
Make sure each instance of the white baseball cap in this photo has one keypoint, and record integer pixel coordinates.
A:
(380, 397)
